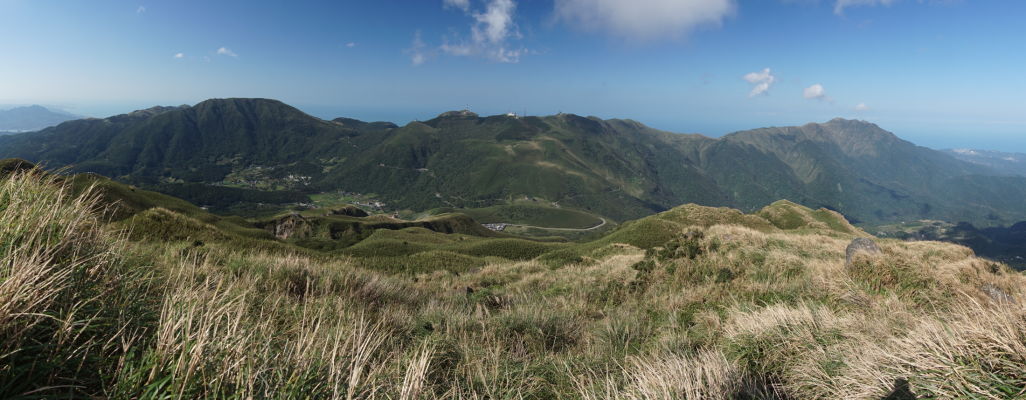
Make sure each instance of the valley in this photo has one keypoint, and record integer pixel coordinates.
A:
(1006, 244)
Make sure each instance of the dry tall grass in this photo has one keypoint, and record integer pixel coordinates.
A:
(706, 375)
(735, 313)
(65, 298)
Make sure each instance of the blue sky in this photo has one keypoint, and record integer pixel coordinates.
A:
(941, 73)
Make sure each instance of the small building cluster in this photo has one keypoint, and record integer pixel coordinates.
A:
(370, 204)
(499, 227)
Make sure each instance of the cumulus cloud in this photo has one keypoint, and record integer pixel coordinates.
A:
(495, 24)
(762, 81)
(140, 10)
(457, 4)
(351, 44)
(861, 107)
(492, 33)
(643, 19)
(840, 5)
(179, 55)
(224, 51)
(418, 50)
(815, 92)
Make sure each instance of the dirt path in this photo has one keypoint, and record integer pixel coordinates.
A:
(562, 229)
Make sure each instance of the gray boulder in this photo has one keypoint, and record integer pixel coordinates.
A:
(995, 293)
(860, 245)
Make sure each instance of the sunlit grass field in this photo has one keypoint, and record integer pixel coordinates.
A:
(695, 302)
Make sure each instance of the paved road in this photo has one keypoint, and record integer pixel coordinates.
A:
(563, 229)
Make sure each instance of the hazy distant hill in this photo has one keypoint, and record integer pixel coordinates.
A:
(31, 118)
(616, 168)
(1005, 163)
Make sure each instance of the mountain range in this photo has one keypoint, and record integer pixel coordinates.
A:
(616, 168)
(31, 118)
(1002, 162)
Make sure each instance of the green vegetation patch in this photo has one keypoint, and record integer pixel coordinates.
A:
(794, 217)
(534, 215)
(413, 241)
(422, 262)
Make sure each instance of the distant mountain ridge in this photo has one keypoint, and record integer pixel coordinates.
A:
(621, 169)
(1002, 162)
(31, 118)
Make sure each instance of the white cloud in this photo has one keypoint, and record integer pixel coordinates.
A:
(495, 24)
(458, 4)
(351, 44)
(815, 92)
(840, 5)
(179, 55)
(491, 35)
(456, 49)
(140, 10)
(224, 51)
(861, 107)
(417, 50)
(643, 19)
(762, 81)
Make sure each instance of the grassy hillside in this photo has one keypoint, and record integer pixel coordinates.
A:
(523, 213)
(258, 156)
(332, 232)
(729, 305)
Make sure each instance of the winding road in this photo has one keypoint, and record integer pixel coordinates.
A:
(563, 229)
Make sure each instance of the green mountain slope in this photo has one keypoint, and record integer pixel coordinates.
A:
(872, 175)
(619, 169)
